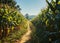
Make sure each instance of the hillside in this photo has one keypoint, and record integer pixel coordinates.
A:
(31, 17)
(47, 24)
(13, 24)
(16, 28)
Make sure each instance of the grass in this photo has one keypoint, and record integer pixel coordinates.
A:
(15, 35)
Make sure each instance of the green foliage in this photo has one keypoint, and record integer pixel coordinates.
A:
(10, 16)
(15, 34)
(12, 22)
(48, 22)
(9, 19)
(11, 3)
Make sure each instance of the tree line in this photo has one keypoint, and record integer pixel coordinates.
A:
(47, 24)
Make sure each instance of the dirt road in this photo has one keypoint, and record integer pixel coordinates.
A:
(26, 36)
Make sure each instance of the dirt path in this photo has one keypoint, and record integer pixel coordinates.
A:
(26, 36)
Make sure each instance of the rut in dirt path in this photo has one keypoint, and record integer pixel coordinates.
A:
(26, 36)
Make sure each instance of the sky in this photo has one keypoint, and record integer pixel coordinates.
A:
(32, 7)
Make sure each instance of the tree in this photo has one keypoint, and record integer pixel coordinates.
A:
(11, 3)
(27, 16)
(48, 23)
(9, 18)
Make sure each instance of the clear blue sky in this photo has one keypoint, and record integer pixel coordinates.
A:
(32, 7)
